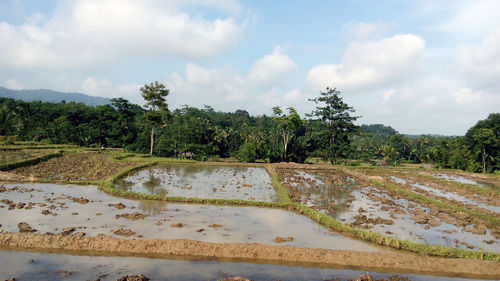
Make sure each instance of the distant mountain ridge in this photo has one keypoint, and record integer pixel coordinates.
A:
(52, 96)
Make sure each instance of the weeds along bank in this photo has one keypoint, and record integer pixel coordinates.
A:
(122, 165)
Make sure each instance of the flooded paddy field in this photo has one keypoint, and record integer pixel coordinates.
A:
(464, 180)
(469, 199)
(246, 183)
(51, 266)
(70, 209)
(362, 205)
(468, 191)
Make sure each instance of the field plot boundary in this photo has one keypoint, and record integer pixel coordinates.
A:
(29, 162)
(403, 263)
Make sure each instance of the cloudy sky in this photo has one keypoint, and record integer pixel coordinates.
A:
(418, 66)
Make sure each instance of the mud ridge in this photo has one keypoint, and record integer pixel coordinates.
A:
(181, 247)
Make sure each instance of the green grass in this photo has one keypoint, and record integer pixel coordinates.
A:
(282, 192)
(493, 221)
(29, 162)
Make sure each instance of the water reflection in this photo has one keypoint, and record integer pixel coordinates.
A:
(40, 266)
(247, 183)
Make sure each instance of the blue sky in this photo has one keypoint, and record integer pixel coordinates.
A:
(418, 66)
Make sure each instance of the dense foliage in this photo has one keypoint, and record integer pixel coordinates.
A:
(204, 133)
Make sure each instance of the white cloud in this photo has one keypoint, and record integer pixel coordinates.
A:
(371, 63)
(479, 64)
(208, 86)
(95, 32)
(258, 92)
(13, 84)
(364, 31)
(102, 87)
(271, 67)
(466, 18)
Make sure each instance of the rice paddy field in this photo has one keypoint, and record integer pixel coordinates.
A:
(92, 214)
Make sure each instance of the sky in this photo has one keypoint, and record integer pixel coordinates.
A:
(421, 67)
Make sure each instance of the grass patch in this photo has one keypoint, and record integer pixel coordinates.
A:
(280, 189)
(29, 162)
(493, 221)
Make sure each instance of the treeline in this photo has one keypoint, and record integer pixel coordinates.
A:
(329, 133)
(477, 151)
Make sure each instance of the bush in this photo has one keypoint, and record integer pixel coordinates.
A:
(247, 152)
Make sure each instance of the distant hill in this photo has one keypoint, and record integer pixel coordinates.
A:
(378, 129)
(52, 96)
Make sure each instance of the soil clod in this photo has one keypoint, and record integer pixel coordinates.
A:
(283, 239)
(25, 227)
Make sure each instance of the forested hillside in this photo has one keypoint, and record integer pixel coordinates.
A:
(51, 96)
(209, 134)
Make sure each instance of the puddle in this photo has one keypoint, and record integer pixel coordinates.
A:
(246, 183)
(369, 207)
(207, 223)
(41, 266)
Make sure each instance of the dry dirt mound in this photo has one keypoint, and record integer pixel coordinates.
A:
(76, 166)
(382, 261)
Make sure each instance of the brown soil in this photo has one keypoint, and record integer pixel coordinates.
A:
(381, 261)
(123, 232)
(132, 216)
(76, 166)
(119, 206)
(283, 239)
(11, 177)
(139, 277)
(25, 227)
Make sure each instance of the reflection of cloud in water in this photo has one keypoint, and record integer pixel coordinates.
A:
(248, 183)
(39, 266)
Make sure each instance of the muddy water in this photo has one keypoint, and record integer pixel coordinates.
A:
(208, 223)
(247, 183)
(464, 180)
(447, 195)
(41, 266)
(347, 201)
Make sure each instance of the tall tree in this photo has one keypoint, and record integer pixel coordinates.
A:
(287, 125)
(155, 94)
(485, 138)
(336, 123)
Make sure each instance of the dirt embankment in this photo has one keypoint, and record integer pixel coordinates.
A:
(90, 165)
(181, 247)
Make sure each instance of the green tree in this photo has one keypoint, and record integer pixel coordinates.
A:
(485, 138)
(286, 125)
(155, 94)
(336, 123)
(6, 119)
